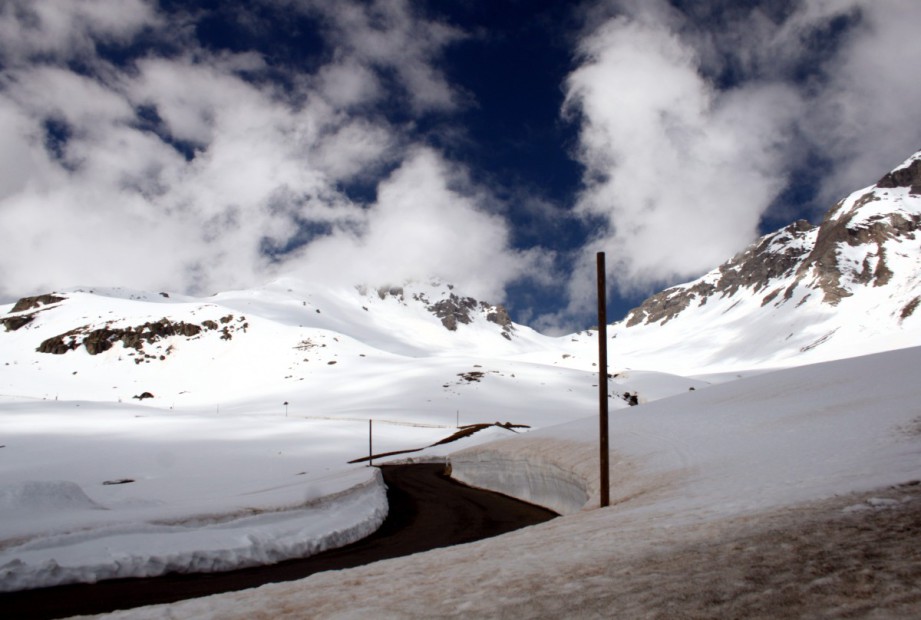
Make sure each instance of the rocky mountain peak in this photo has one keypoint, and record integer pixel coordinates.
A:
(771, 258)
(451, 309)
(850, 249)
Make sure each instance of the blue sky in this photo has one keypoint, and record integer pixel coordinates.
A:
(199, 146)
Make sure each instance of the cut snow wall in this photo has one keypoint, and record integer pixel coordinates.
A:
(153, 549)
(557, 474)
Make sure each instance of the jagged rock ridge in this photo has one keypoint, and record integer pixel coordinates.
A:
(848, 250)
(454, 309)
(772, 257)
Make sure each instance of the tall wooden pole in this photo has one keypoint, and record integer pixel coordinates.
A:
(370, 447)
(603, 383)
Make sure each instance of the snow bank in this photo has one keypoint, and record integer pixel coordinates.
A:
(750, 445)
(805, 562)
(155, 548)
(553, 474)
(711, 496)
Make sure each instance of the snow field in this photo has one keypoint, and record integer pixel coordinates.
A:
(788, 492)
(752, 444)
(140, 490)
(210, 489)
(90, 491)
(223, 473)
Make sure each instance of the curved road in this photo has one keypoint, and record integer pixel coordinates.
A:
(427, 510)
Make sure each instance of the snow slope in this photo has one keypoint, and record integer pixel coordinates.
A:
(147, 432)
(688, 473)
(257, 402)
(749, 445)
(800, 295)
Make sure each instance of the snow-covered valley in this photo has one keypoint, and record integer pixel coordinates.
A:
(142, 432)
(788, 494)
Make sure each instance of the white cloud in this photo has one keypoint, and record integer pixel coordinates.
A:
(865, 118)
(388, 35)
(348, 83)
(427, 222)
(184, 172)
(67, 29)
(678, 172)
(354, 150)
(178, 173)
(691, 123)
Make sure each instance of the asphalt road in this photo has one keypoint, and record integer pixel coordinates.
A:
(427, 510)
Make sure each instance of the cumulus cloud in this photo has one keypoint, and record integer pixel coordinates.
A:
(428, 221)
(135, 154)
(178, 170)
(691, 122)
(389, 36)
(677, 171)
(865, 116)
(117, 202)
(68, 30)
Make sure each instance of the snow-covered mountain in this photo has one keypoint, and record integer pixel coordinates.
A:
(182, 433)
(802, 294)
(805, 293)
(135, 425)
(104, 344)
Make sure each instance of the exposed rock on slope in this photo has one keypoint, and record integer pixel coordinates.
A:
(453, 310)
(847, 251)
(27, 303)
(99, 340)
(905, 176)
(20, 316)
(771, 259)
(795, 280)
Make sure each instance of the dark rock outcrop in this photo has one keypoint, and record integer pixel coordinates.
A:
(909, 176)
(27, 303)
(774, 256)
(790, 259)
(12, 323)
(499, 316)
(839, 229)
(393, 291)
(97, 341)
(453, 310)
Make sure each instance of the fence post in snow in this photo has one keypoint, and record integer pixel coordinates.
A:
(370, 449)
(603, 383)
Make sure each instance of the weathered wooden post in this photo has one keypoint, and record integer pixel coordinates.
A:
(370, 447)
(603, 383)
